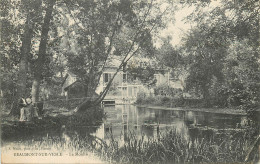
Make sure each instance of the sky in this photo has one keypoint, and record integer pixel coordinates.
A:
(178, 28)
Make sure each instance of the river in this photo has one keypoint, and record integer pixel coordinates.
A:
(123, 120)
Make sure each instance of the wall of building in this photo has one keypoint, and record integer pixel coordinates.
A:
(162, 78)
(125, 89)
(68, 81)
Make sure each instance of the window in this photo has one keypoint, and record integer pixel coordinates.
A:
(124, 78)
(106, 77)
(135, 91)
(124, 67)
(124, 91)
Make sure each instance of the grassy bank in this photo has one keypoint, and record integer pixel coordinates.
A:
(211, 110)
(171, 147)
(53, 120)
(169, 103)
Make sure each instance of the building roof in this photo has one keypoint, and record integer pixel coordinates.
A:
(67, 75)
(75, 83)
(114, 61)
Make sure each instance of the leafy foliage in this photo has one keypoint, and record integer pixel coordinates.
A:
(223, 53)
(242, 74)
(145, 75)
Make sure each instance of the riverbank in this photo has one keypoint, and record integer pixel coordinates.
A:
(171, 103)
(210, 110)
(52, 120)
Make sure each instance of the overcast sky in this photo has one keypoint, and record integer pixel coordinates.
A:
(177, 29)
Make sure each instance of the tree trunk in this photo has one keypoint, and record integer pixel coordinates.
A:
(90, 103)
(38, 72)
(83, 106)
(91, 87)
(35, 89)
(87, 103)
(23, 66)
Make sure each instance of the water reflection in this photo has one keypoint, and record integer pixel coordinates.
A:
(125, 120)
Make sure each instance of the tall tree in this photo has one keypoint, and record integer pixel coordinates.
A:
(29, 7)
(10, 53)
(218, 27)
(206, 56)
(104, 29)
(174, 58)
(41, 60)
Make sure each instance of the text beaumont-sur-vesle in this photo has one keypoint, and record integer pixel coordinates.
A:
(37, 154)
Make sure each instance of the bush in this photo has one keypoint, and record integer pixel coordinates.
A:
(165, 90)
(141, 96)
(194, 102)
(63, 103)
(165, 100)
(177, 102)
(169, 101)
(150, 100)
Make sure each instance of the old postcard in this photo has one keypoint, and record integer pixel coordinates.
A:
(130, 81)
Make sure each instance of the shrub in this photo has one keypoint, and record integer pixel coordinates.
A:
(165, 90)
(165, 100)
(150, 100)
(141, 96)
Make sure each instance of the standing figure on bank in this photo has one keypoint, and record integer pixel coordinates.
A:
(27, 111)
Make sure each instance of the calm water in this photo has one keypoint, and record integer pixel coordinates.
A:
(124, 120)
(128, 121)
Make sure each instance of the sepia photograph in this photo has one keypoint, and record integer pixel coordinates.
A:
(130, 81)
